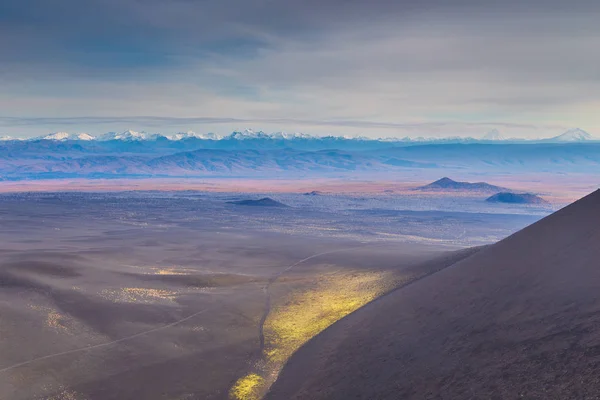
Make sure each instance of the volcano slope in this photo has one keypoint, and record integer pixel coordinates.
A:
(518, 319)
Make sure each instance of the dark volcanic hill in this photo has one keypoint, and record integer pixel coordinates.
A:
(516, 320)
(313, 193)
(449, 184)
(516, 198)
(264, 202)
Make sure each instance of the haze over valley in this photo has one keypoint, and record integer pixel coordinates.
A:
(207, 264)
(288, 156)
(108, 289)
(299, 200)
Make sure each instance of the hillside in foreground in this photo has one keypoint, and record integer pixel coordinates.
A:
(517, 319)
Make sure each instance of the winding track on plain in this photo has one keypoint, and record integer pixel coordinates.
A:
(96, 346)
(180, 321)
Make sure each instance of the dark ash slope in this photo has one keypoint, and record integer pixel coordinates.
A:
(519, 319)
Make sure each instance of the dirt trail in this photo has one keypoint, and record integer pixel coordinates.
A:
(96, 346)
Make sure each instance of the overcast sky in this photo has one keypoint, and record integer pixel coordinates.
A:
(374, 68)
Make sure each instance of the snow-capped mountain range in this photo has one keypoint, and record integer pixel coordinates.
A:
(250, 153)
(572, 135)
(131, 135)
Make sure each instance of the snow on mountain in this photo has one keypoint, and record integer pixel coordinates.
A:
(287, 135)
(248, 134)
(333, 155)
(422, 139)
(494, 134)
(573, 135)
(190, 134)
(405, 139)
(85, 136)
(129, 136)
(67, 136)
(56, 136)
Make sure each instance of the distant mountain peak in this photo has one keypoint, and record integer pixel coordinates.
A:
(85, 136)
(191, 134)
(129, 135)
(444, 181)
(248, 134)
(282, 135)
(573, 135)
(290, 135)
(61, 136)
(494, 134)
(57, 136)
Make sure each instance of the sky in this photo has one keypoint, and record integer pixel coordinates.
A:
(377, 68)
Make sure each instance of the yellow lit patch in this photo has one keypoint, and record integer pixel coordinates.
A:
(152, 270)
(54, 319)
(304, 314)
(170, 271)
(139, 295)
(248, 387)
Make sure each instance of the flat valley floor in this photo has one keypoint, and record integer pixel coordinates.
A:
(184, 296)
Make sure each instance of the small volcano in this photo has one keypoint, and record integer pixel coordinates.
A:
(516, 198)
(264, 202)
(449, 184)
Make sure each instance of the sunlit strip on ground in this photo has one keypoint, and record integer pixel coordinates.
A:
(302, 315)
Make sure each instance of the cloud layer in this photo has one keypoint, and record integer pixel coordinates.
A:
(388, 67)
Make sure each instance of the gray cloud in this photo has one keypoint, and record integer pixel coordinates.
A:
(403, 63)
(161, 31)
(160, 122)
